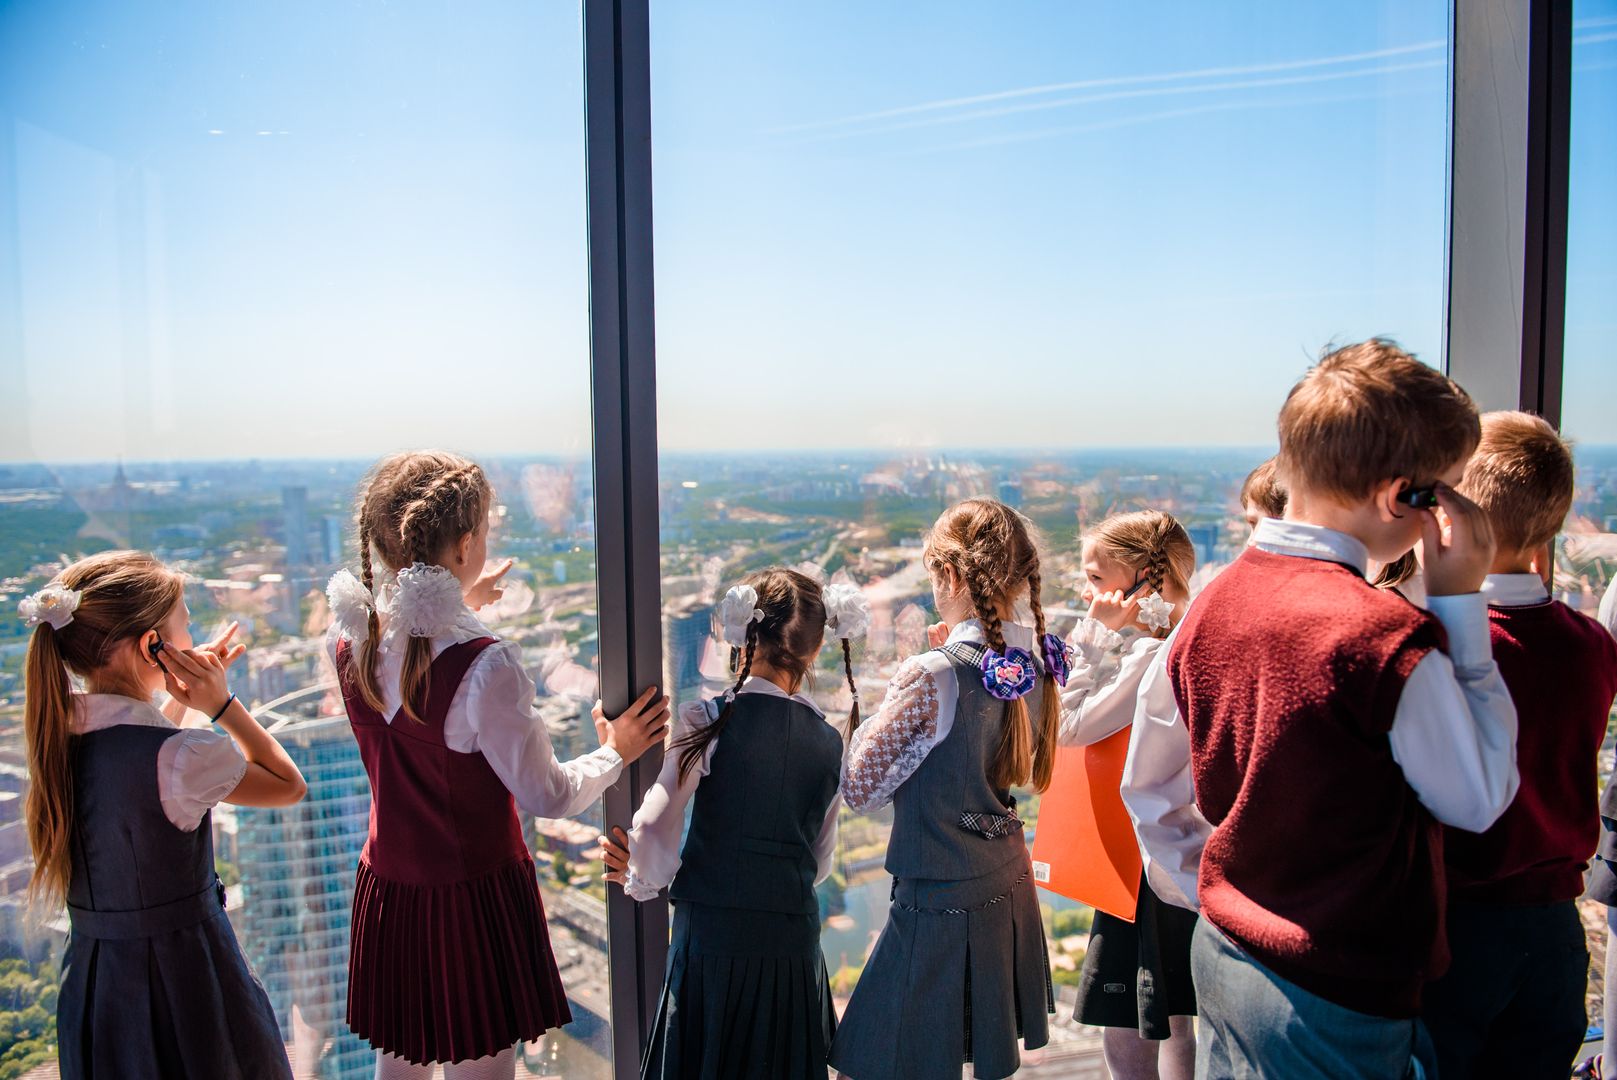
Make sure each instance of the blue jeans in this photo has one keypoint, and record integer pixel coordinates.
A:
(1257, 1026)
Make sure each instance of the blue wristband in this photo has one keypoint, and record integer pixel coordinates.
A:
(222, 708)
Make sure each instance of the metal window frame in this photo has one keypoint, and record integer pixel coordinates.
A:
(1510, 95)
(617, 111)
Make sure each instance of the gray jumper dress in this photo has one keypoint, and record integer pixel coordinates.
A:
(960, 971)
(154, 986)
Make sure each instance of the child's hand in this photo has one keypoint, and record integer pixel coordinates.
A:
(937, 635)
(1458, 557)
(1112, 611)
(223, 646)
(640, 727)
(195, 679)
(487, 588)
(616, 856)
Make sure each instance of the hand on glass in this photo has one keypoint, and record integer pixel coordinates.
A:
(616, 855)
(637, 729)
(224, 646)
(488, 588)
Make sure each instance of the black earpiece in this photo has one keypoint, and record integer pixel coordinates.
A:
(155, 649)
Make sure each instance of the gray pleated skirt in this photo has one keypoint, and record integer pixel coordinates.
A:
(959, 974)
(746, 998)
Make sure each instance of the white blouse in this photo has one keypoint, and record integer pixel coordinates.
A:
(916, 714)
(1453, 733)
(492, 714)
(1107, 667)
(196, 769)
(658, 831)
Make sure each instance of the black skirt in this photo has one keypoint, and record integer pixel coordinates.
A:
(746, 998)
(1137, 975)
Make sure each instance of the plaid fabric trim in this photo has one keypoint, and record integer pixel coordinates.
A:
(1006, 895)
(990, 826)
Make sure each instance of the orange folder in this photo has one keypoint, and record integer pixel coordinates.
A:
(1085, 847)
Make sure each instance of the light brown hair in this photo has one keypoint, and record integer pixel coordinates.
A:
(123, 594)
(1371, 412)
(994, 551)
(412, 506)
(1522, 475)
(1151, 543)
(787, 638)
(1262, 489)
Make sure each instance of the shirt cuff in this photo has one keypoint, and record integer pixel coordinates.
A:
(638, 889)
(1465, 617)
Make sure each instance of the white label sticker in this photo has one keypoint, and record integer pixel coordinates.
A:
(1041, 872)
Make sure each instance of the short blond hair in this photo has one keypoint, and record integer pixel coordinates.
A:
(1371, 412)
(1522, 475)
(1263, 490)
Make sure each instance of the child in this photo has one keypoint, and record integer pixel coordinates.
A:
(1262, 496)
(747, 994)
(1330, 733)
(1136, 977)
(960, 970)
(1512, 1003)
(450, 961)
(120, 821)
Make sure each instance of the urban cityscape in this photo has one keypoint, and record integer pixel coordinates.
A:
(260, 538)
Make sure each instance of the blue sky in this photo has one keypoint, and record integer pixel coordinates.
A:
(336, 229)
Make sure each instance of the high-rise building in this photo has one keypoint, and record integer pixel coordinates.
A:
(295, 524)
(297, 869)
(331, 536)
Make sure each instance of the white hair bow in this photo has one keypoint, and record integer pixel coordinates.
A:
(54, 604)
(738, 608)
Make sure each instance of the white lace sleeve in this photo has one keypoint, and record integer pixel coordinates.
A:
(916, 714)
(1098, 699)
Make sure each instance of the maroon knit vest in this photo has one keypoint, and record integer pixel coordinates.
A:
(1561, 670)
(437, 816)
(1322, 864)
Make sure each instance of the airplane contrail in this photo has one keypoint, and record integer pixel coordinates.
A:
(1118, 80)
(1122, 95)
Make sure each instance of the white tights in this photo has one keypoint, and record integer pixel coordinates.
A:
(501, 1066)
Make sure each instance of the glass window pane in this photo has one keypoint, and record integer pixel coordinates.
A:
(1588, 557)
(243, 255)
(1072, 256)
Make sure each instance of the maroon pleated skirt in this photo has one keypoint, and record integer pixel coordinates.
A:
(453, 972)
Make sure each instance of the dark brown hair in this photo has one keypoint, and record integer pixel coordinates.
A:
(993, 549)
(123, 594)
(1262, 488)
(787, 638)
(412, 506)
(1371, 412)
(1522, 475)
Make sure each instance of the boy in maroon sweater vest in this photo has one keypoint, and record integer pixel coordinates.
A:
(1512, 1003)
(1331, 726)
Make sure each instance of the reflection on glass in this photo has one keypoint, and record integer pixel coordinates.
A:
(1587, 560)
(1072, 257)
(241, 257)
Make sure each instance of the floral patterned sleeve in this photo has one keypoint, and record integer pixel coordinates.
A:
(916, 714)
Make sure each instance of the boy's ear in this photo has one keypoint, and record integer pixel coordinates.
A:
(1385, 497)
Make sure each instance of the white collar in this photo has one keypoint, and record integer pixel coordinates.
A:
(1514, 590)
(1307, 541)
(971, 631)
(757, 684)
(93, 712)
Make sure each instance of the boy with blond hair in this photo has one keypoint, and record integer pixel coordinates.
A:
(1332, 727)
(1261, 494)
(1512, 1003)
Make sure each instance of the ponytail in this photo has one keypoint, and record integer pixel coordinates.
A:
(415, 678)
(1044, 752)
(47, 722)
(691, 747)
(1013, 759)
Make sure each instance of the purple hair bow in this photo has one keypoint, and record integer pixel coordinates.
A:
(1057, 658)
(1010, 676)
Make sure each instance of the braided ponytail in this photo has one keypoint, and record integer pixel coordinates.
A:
(373, 625)
(853, 687)
(1044, 752)
(691, 747)
(1013, 759)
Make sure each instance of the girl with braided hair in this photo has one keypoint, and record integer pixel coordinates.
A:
(1136, 976)
(450, 962)
(747, 994)
(960, 973)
